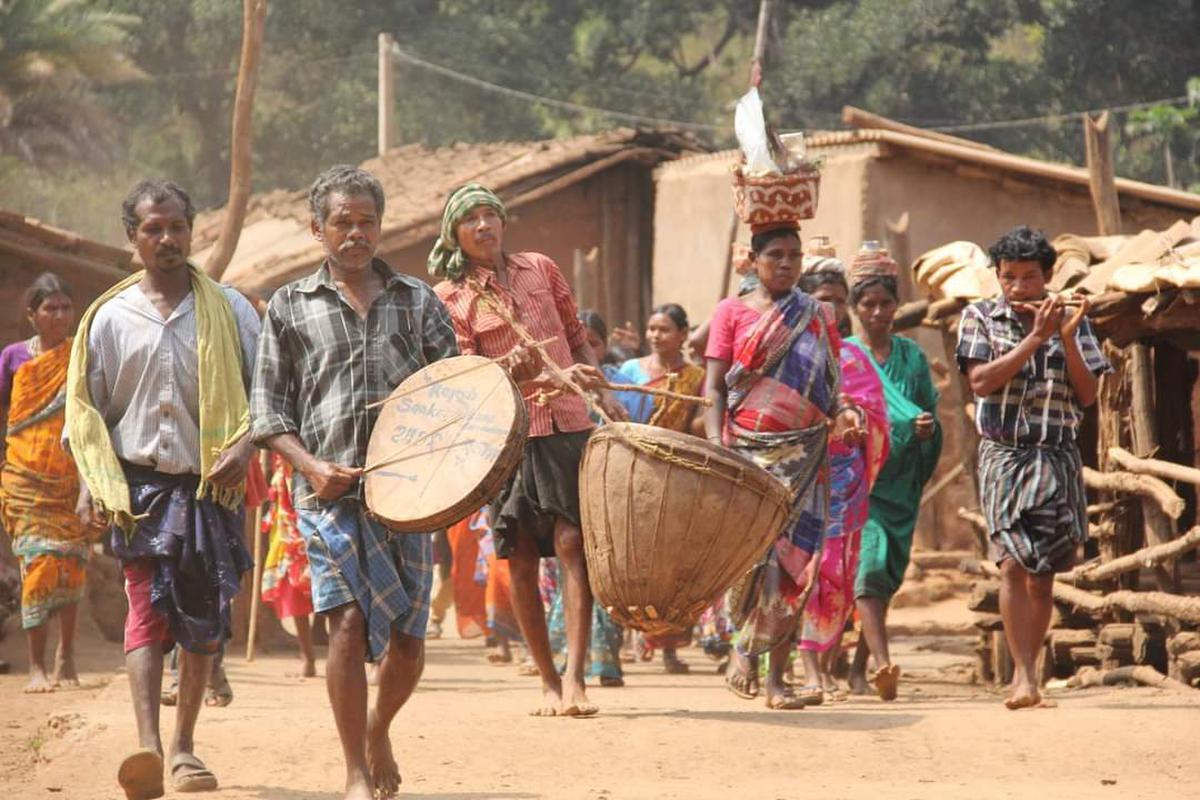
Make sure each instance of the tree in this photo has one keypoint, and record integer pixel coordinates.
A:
(1167, 127)
(53, 55)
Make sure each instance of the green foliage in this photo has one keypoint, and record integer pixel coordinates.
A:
(929, 62)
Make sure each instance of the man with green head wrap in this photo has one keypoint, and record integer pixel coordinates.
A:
(537, 514)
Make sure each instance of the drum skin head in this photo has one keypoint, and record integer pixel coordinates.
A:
(447, 440)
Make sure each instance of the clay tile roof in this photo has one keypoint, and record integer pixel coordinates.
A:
(275, 245)
(62, 251)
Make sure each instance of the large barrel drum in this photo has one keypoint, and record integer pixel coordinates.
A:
(670, 521)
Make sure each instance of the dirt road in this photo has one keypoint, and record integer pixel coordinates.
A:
(465, 734)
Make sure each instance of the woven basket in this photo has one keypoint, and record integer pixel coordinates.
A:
(765, 199)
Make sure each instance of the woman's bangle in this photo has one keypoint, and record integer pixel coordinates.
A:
(852, 407)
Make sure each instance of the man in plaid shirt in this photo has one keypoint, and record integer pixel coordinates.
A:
(334, 343)
(1033, 368)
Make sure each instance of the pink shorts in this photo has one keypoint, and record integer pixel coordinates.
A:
(143, 625)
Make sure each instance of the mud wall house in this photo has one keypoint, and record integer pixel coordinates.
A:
(875, 181)
(586, 201)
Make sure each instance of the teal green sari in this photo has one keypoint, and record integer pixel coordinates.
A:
(896, 496)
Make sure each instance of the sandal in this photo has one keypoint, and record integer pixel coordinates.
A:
(743, 683)
(811, 694)
(787, 700)
(219, 693)
(188, 774)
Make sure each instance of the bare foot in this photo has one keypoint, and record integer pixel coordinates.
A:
(887, 682)
(501, 653)
(385, 773)
(551, 702)
(576, 703)
(1024, 695)
(64, 670)
(38, 682)
(858, 683)
(673, 665)
(308, 669)
(358, 787)
(782, 697)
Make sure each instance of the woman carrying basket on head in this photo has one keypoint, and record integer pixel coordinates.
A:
(774, 378)
(40, 483)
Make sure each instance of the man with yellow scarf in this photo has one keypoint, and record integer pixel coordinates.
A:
(157, 420)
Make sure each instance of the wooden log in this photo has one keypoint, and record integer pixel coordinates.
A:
(1142, 485)
(944, 481)
(985, 597)
(1147, 676)
(1184, 609)
(1185, 668)
(1146, 557)
(1084, 656)
(1002, 660)
(1167, 470)
(1183, 642)
(944, 309)
(1063, 640)
(983, 658)
(859, 118)
(1102, 180)
(1117, 633)
(940, 559)
(989, 622)
(1150, 645)
(1158, 529)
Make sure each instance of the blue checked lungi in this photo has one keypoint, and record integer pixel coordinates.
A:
(355, 559)
(1035, 504)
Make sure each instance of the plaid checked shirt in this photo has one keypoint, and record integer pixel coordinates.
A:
(1038, 406)
(320, 364)
(540, 299)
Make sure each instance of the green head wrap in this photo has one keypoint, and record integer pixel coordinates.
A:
(446, 259)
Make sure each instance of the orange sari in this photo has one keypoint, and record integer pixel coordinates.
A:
(38, 490)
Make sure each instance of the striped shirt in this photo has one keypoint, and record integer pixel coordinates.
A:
(1038, 406)
(320, 364)
(539, 298)
(143, 376)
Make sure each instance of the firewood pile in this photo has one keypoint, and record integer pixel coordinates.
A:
(1100, 634)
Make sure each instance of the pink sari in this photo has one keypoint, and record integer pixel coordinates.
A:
(852, 474)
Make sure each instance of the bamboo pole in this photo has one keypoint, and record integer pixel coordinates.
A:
(254, 13)
(256, 593)
(1158, 529)
(1101, 178)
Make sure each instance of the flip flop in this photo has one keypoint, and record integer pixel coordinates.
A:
(1025, 701)
(811, 694)
(887, 682)
(579, 711)
(220, 694)
(188, 774)
(141, 775)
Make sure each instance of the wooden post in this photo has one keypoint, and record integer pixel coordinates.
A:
(760, 41)
(254, 13)
(254, 526)
(1125, 517)
(387, 95)
(1101, 179)
(1159, 529)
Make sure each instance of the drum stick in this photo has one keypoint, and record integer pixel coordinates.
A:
(396, 460)
(458, 374)
(255, 521)
(686, 398)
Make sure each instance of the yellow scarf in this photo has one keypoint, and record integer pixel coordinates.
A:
(224, 412)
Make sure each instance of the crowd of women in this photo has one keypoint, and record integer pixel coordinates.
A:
(847, 423)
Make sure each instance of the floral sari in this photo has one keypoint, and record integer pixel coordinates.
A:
(852, 473)
(782, 389)
(655, 410)
(286, 580)
(40, 486)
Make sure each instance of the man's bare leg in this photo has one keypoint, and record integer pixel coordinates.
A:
(65, 673)
(873, 613)
(776, 687)
(1026, 603)
(346, 682)
(577, 609)
(398, 677)
(531, 618)
(857, 677)
(194, 669)
(39, 681)
(308, 657)
(145, 668)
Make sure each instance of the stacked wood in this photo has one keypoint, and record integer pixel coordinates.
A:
(1115, 647)
(1183, 650)
(1149, 643)
(1069, 649)
(1147, 676)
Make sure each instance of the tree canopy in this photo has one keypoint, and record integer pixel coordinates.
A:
(146, 86)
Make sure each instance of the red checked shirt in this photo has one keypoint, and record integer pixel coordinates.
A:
(539, 298)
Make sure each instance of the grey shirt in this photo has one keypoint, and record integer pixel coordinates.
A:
(144, 379)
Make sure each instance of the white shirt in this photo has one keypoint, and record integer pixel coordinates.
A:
(143, 376)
